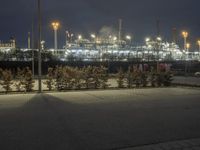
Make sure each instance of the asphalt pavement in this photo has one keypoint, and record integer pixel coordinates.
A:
(99, 120)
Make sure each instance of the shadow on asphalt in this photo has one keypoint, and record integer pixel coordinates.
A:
(39, 124)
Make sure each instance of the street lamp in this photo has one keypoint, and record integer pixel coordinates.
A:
(93, 36)
(80, 37)
(187, 48)
(187, 45)
(115, 38)
(55, 26)
(185, 36)
(198, 42)
(147, 39)
(128, 37)
(159, 39)
(71, 37)
(39, 48)
(42, 45)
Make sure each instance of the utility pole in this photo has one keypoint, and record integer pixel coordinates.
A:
(66, 36)
(174, 35)
(29, 40)
(55, 41)
(158, 43)
(120, 30)
(39, 49)
(198, 42)
(33, 47)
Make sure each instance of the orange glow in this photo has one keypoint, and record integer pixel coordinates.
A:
(185, 34)
(198, 42)
(55, 25)
(188, 45)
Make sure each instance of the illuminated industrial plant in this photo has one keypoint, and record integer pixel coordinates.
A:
(99, 47)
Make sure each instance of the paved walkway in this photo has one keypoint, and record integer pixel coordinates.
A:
(192, 144)
(193, 81)
(99, 120)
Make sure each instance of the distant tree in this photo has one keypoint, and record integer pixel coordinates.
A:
(78, 77)
(50, 79)
(59, 78)
(153, 77)
(96, 73)
(136, 76)
(104, 76)
(6, 82)
(120, 78)
(28, 80)
(168, 78)
(144, 78)
(19, 83)
(129, 77)
(88, 76)
(68, 75)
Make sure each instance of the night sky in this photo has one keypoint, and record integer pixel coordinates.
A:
(89, 16)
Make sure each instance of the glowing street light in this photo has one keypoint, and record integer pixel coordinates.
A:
(147, 39)
(198, 42)
(128, 37)
(188, 46)
(80, 37)
(115, 38)
(55, 26)
(159, 39)
(42, 45)
(93, 36)
(185, 36)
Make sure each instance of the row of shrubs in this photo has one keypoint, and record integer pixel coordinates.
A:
(23, 80)
(135, 77)
(68, 78)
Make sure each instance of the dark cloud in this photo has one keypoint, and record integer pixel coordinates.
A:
(86, 16)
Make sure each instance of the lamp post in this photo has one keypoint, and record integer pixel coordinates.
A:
(29, 40)
(55, 26)
(114, 39)
(93, 36)
(32, 46)
(187, 48)
(147, 39)
(198, 42)
(80, 37)
(158, 48)
(129, 38)
(39, 49)
(148, 45)
(185, 36)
